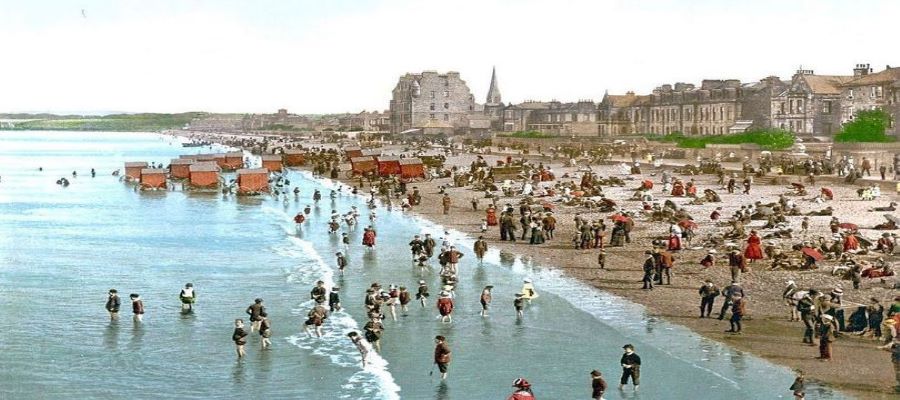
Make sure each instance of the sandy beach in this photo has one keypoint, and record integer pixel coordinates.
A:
(858, 367)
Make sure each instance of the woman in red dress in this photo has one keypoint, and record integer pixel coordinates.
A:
(851, 242)
(491, 216)
(369, 237)
(753, 250)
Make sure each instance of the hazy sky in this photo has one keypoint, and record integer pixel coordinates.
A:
(337, 56)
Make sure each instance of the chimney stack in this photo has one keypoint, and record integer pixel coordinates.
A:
(861, 70)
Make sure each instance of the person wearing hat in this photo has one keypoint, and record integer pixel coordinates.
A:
(318, 291)
(441, 355)
(708, 293)
(522, 391)
(113, 303)
(649, 268)
(806, 306)
(188, 297)
(790, 289)
(480, 247)
(598, 385)
(836, 307)
(731, 292)
(416, 246)
(486, 298)
(445, 202)
(255, 311)
(373, 331)
(345, 241)
(885, 244)
(738, 309)
(422, 293)
(239, 336)
(137, 306)
(631, 367)
(737, 263)
(341, 262)
(826, 337)
(316, 317)
(428, 244)
(334, 299)
(445, 306)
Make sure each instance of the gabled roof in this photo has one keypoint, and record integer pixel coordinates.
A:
(140, 164)
(182, 161)
(622, 100)
(205, 167)
(252, 171)
(151, 171)
(826, 84)
(887, 76)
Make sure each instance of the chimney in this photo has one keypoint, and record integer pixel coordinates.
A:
(861, 70)
(629, 93)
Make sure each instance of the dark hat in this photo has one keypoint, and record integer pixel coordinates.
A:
(257, 300)
(628, 346)
(113, 291)
(595, 373)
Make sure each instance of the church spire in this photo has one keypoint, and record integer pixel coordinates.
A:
(493, 97)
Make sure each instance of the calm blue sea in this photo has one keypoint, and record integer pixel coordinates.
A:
(63, 248)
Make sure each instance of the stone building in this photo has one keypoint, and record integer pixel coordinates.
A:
(716, 107)
(810, 105)
(366, 121)
(431, 99)
(280, 119)
(493, 105)
(868, 90)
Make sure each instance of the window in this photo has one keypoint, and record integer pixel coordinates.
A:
(799, 106)
(826, 107)
(431, 116)
(850, 94)
(781, 110)
(446, 93)
(879, 92)
(431, 107)
(446, 106)
(446, 117)
(872, 90)
(432, 94)
(792, 106)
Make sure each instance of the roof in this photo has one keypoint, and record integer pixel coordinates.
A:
(141, 164)
(188, 156)
(234, 154)
(271, 157)
(151, 171)
(533, 105)
(371, 152)
(252, 171)
(388, 158)
(352, 148)
(204, 167)
(295, 151)
(182, 161)
(887, 76)
(362, 159)
(410, 161)
(625, 100)
(826, 84)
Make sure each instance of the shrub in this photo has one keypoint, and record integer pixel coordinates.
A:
(867, 126)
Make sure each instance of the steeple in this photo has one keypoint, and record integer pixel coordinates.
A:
(493, 96)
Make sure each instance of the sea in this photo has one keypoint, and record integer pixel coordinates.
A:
(63, 247)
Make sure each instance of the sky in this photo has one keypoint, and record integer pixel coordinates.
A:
(332, 56)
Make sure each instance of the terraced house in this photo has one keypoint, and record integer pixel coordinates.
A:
(870, 90)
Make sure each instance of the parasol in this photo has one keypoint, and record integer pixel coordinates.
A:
(847, 225)
(686, 223)
(548, 206)
(813, 253)
(647, 184)
(892, 218)
(619, 218)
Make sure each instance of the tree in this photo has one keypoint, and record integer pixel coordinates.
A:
(867, 126)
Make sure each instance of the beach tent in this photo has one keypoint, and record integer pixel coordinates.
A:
(388, 165)
(362, 165)
(272, 162)
(294, 157)
(153, 178)
(180, 168)
(234, 160)
(352, 152)
(133, 170)
(251, 181)
(411, 168)
(204, 174)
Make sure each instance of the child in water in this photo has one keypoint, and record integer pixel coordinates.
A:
(422, 294)
(334, 299)
(519, 304)
(265, 332)
(239, 336)
(137, 306)
(360, 345)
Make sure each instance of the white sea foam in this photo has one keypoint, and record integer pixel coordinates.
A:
(374, 381)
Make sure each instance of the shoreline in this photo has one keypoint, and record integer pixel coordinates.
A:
(858, 368)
